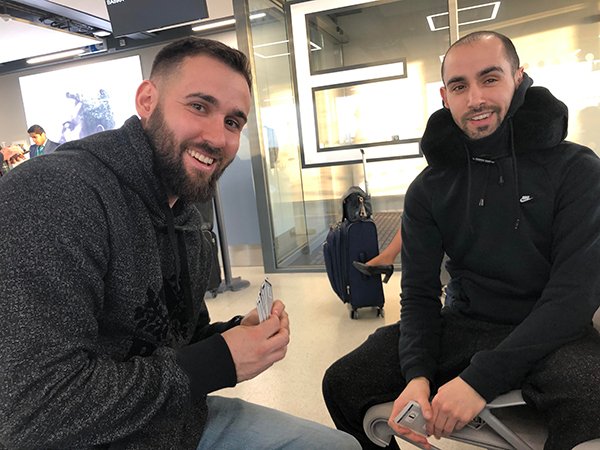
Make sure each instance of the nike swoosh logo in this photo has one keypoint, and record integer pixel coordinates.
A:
(525, 198)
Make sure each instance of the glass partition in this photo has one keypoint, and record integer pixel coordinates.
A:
(357, 64)
(372, 73)
(346, 37)
(305, 200)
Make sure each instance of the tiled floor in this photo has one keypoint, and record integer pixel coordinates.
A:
(321, 332)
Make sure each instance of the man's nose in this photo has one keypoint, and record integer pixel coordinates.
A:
(475, 97)
(215, 132)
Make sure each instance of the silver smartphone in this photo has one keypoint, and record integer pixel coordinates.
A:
(412, 418)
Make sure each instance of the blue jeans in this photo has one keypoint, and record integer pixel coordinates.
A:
(234, 424)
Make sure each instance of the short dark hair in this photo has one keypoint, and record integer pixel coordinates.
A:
(172, 55)
(509, 47)
(35, 129)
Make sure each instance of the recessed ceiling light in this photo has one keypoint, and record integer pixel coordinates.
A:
(215, 24)
(494, 13)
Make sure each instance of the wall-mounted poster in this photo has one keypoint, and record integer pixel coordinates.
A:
(78, 101)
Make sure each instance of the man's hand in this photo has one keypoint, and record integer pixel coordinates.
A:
(278, 309)
(255, 347)
(12, 154)
(454, 406)
(418, 390)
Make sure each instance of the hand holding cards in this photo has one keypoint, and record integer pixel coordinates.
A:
(264, 302)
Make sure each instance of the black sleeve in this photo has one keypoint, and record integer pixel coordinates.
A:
(422, 253)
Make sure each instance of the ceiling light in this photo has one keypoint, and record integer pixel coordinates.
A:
(215, 24)
(53, 56)
(314, 47)
(101, 33)
(496, 7)
(257, 16)
(169, 27)
(268, 44)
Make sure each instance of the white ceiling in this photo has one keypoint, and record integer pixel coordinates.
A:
(20, 39)
(94, 7)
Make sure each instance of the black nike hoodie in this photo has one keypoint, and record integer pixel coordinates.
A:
(518, 215)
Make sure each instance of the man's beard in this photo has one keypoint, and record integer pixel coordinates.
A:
(481, 132)
(168, 163)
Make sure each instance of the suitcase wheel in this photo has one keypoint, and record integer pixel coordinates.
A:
(380, 312)
(354, 314)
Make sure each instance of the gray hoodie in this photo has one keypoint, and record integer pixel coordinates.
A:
(106, 339)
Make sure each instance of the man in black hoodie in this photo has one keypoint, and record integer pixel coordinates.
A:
(515, 208)
(106, 339)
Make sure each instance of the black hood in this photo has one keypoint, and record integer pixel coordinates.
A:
(539, 120)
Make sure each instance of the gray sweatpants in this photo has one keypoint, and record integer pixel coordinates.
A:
(564, 386)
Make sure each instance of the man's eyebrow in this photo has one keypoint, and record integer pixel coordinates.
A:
(213, 101)
(489, 70)
(481, 73)
(458, 79)
(207, 98)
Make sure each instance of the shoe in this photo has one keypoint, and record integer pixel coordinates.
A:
(365, 269)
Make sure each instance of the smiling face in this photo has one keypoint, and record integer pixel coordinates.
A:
(479, 85)
(194, 118)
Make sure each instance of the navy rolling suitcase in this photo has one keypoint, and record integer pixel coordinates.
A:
(354, 239)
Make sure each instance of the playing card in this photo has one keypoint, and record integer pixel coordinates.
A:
(264, 302)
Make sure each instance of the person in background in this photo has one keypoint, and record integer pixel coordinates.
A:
(12, 154)
(107, 340)
(383, 263)
(516, 210)
(41, 144)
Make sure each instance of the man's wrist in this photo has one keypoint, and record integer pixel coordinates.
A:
(421, 379)
(237, 320)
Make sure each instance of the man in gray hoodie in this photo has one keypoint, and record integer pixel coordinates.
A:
(107, 341)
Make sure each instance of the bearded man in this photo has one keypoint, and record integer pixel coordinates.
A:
(107, 341)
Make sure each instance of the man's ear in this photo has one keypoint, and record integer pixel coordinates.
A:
(443, 94)
(519, 75)
(146, 99)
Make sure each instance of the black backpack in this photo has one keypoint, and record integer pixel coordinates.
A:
(356, 204)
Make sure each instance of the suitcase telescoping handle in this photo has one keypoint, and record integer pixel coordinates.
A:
(364, 161)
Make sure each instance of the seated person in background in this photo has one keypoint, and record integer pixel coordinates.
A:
(384, 262)
(41, 144)
(516, 209)
(107, 340)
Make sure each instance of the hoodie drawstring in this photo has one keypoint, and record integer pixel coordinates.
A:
(182, 272)
(469, 182)
(489, 162)
(485, 186)
(173, 239)
(515, 175)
